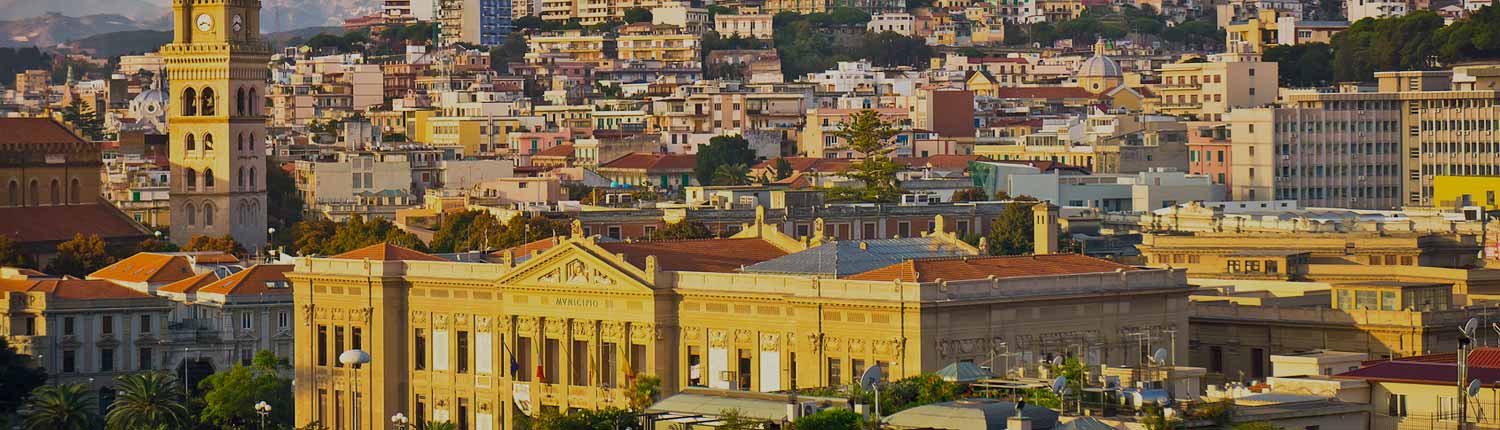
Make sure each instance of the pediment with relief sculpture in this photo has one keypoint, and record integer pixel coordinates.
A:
(572, 264)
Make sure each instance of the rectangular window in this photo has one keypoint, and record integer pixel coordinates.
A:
(463, 351)
(245, 320)
(106, 359)
(145, 323)
(1396, 405)
(144, 358)
(638, 362)
(1216, 359)
(322, 345)
(338, 344)
(578, 364)
(419, 349)
(551, 361)
(523, 353)
(903, 229)
(835, 372)
(282, 319)
(67, 326)
(69, 361)
(107, 324)
(608, 364)
(463, 414)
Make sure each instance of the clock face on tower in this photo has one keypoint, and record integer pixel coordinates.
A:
(205, 22)
(238, 22)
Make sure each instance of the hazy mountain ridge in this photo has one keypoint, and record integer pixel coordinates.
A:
(47, 23)
(52, 29)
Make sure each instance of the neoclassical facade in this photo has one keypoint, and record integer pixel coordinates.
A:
(569, 322)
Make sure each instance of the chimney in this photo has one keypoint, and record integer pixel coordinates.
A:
(1044, 239)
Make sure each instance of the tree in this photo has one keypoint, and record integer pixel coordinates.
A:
(60, 407)
(830, 419)
(84, 119)
(80, 256)
(637, 14)
(512, 50)
(283, 202)
(440, 425)
(849, 16)
(230, 395)
(681, 230)
(326, 237)
(733, 419)
(1011, 232)
(149, 400)
(20, 375)
(870, 135)
(528, 22)
(155, 245)
(731, 174)
(783, 168)
(1409, 42)
(480, 230)
(609, 418)
(970, 195)
(10, 254)
(643, 391)
(1302, 65)
(225, 244)
(719, 151)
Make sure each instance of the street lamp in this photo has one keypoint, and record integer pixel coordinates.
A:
(400, 421)
(270, 237)
(262, 408)
(354, 358)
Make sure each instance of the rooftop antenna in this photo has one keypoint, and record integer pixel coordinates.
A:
(1465, 344)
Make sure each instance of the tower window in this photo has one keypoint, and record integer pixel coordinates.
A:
(239, 101)
(208, 214)
(189, 102)
(208, 141)
(192, 215)
(208, 101)
(208, 179)
(190, 179)
(191, 143)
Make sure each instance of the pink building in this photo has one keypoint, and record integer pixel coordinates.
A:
(524, 145)
(1209, 151)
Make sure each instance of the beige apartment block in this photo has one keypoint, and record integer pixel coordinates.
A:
(1208, 90)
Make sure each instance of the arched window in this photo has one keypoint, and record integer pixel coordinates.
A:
(190, 180)
(240, 145)
(190, 142)
(208, 181)
(239, 101)
(254, 103)
(241, 182)
(208, 214)
(192, 214)
(33, 193)
(252, 177)
(56, 191)
(207, 101)
(75, 192)
(208, 142)
(189, 102)
(13, 193)
(250, 142)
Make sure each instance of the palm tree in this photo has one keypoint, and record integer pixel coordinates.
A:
(147, 401)
(731, 174)
(439, 425)
(60, 407)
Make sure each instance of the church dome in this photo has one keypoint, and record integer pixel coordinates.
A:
(149, 108)
(1099, 66)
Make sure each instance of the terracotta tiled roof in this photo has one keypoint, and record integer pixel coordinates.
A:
(804, 164)
(253, 281)
(74, 289)
(563, 150)
(146, 267)
(215, 259)
(386, 252)
(525, 249)
(1049, 93)
(954, 269)
(1419, 371)
(34, 131)
(61, 223)
(653, 162)
(705, 255)
(191, 285)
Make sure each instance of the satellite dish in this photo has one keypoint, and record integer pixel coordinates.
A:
(1060, 384)
(872, 376)
(1160, 356)
(1473, 387)
(1469, 327)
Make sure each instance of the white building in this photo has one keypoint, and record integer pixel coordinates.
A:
(1361, 9)
(1140, 192)
(898, 22)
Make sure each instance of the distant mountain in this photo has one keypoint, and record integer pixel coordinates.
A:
(285, 15)
(140, 10)
(110, 45)
(282, 39)
(51, 29)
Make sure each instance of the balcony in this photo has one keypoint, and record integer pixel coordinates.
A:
(1181, 86)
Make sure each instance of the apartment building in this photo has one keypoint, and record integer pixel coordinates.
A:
(1344, 155)
(1356, 10)
(757, 26)
(819, 139)
(1208, 90)
(1272, 28)
(476, 22)
(665, 43)
(575, 44)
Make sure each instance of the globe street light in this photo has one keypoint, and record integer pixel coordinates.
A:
(400, 421)
(354, 358)
(262, 408)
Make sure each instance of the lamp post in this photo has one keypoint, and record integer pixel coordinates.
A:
(262, 408)
(270, 236)
(400, 421)
(354, 358)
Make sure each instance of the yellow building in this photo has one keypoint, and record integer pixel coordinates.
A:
(471, 136)
(217, 65)
(1208, 90)
(1269, 28)
(819, 141)
(647, 42)
(565, 323)
(1464, 191)
(1421, 392)
(574, 43)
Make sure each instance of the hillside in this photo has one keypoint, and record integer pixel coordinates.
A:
(110, 45)
(51, 29)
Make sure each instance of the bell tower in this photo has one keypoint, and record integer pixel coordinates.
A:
(217, 69)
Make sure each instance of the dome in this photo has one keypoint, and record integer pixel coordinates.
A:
(149, 108)
(1099, 66)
